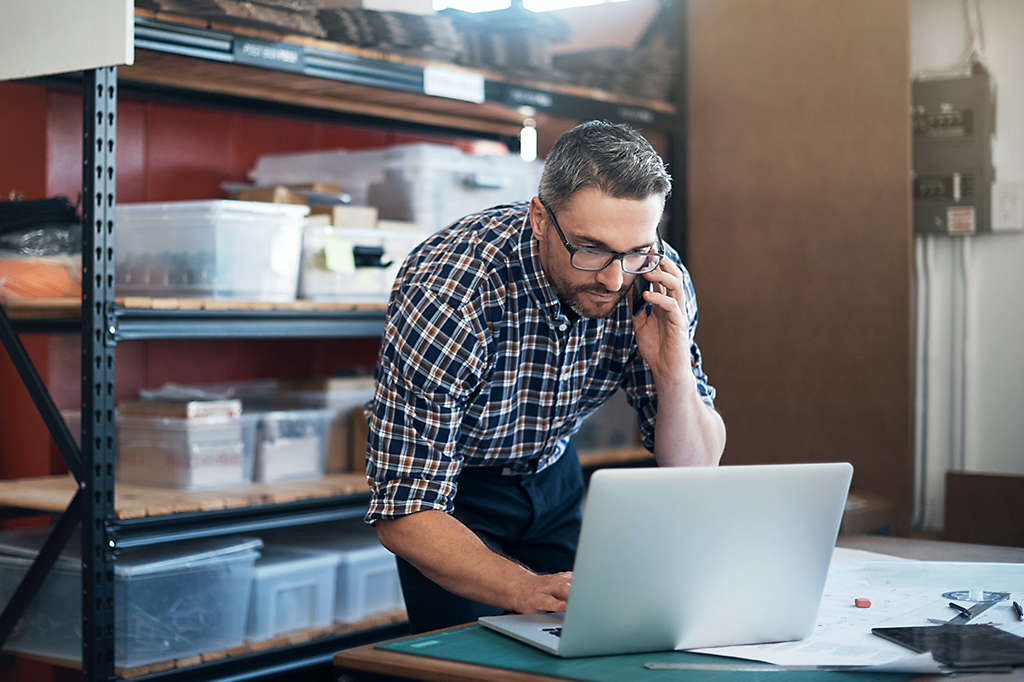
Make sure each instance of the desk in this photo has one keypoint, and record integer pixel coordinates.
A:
(380, 664)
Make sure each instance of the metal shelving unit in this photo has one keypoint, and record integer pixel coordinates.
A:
(103, 323)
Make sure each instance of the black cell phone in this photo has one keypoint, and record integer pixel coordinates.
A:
(636, 301)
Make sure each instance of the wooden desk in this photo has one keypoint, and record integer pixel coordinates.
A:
(370, 663)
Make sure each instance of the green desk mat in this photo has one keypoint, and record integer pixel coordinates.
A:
(476, 644)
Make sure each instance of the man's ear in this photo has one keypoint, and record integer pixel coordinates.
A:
(538, 219)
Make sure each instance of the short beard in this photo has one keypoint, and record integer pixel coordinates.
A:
(574, 295)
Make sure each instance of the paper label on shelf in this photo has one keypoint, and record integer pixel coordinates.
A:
(338, 255)
(453, 83)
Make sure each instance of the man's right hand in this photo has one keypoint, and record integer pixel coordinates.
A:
(450, 554)
(549, 592)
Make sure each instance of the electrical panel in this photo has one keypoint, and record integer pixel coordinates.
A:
(954, 120)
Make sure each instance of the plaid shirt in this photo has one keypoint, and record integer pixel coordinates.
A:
(480, 366)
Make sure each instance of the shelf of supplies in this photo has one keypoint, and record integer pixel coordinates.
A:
(297, 649)
(52, 494)
(590, 459)
(185, 53)
(137, 318)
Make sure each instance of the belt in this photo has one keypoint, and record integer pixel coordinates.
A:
(521, 467)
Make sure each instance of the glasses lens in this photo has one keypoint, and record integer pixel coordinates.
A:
(639, 263)
(591, 259)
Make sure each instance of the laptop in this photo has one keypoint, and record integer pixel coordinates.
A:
(693, 557)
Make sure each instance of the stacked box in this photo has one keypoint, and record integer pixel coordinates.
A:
(366, 276)
(430, 185)
(367, 575)
(191, 454)
(171, 452)
(286, 444)
(291, 590)
(172, 601)
(345, 397)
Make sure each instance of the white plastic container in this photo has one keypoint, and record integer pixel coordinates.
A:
(190, 454)
(367, 575)
(216, 249)
(291, 590)
(429, 184)
(286, 444)
(320, 279)
(171, 601)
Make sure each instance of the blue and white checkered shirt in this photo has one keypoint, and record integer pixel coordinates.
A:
(479, 365)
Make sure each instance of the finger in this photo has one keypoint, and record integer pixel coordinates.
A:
(550, 603)
(670, 280)
(668, 305)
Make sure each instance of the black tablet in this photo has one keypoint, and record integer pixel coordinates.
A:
(960, 646)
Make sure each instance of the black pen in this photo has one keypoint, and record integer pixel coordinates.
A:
(1019, 610)
(963, 611)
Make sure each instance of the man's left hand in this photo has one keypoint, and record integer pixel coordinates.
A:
(663, 335)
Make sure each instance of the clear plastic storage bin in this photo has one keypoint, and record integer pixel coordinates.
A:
(322, 279)
(286, 444)
(172, 601)
(291, 590)
(367, 576)
(189, 454)
(216, 249)
(428, 184)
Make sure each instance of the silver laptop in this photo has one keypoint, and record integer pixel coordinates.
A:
(693, 557)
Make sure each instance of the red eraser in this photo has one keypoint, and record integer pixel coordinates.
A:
(861, 603)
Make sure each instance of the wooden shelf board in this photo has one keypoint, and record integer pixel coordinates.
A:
(307, 41)
(176, 71)
(53, 493)
(286, 639)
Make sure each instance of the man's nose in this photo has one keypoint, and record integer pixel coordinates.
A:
(611, 277)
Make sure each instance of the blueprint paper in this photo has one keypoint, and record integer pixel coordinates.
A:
(903, 592)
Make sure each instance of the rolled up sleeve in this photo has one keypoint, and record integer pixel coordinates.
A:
(429, 364)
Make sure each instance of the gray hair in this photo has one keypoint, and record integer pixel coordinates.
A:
(612, 157)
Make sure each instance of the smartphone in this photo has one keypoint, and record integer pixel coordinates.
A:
(636, 302)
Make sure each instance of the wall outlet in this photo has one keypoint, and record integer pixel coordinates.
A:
(1007, 205)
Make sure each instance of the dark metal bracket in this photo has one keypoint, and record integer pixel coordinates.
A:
(41, 397)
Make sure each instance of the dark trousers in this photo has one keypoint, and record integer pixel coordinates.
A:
(532, 518)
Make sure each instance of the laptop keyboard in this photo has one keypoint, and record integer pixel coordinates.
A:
(556, 631)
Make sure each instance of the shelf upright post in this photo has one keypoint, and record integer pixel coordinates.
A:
(99, 133)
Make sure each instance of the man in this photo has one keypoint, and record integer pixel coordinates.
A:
(504, 331)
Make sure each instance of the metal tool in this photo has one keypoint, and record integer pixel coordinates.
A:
(965, 615)
(754, 667)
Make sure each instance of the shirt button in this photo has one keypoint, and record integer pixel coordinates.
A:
(562, 327)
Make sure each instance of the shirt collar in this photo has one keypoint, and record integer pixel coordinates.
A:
(528, 256)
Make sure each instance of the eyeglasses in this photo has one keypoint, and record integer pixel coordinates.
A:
(592, 260)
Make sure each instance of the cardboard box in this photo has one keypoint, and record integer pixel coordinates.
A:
(319, 187)
(348, 216)
(278, 194)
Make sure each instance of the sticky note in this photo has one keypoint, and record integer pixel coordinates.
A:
(338, 255)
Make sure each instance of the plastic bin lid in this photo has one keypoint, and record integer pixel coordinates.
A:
(26, 542)
(347, 544)
(276, 559)
(173, 210)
